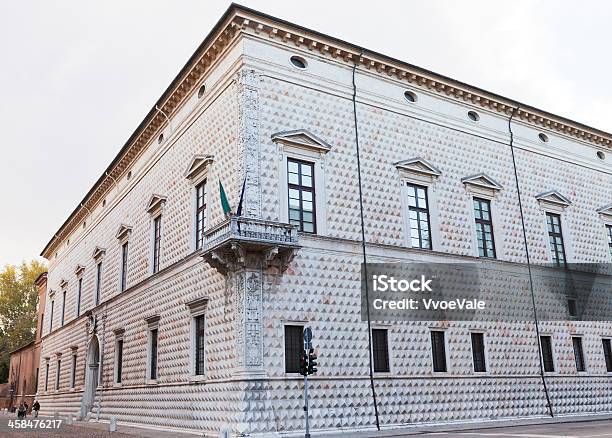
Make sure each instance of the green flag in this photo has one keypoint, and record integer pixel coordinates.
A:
(224, 202)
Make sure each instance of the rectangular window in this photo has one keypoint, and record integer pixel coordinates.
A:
(156, 243)
(380, 350)
(51, 316)
(484, 228)
(478, 353)
(607, 347)
(119, 360)
(418, 210)
(547, 354)
(571, 307)
(57, 374)
(78, 300)
(36, 385)
(42, 320)
(47, 377)
(199, 345)
(98, 282)
(300, 177)
(200, 218)
(63, 306)
(294, 347)
(578, 354)
(555, 239)
(609, 233)
(153, 358)
(73, 371)
(124, 260)
(438, 351)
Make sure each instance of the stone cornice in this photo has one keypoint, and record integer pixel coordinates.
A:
(238, 20)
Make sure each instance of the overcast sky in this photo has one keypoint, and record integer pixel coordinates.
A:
(76, 77)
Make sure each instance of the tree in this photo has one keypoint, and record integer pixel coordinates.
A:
(18, 304)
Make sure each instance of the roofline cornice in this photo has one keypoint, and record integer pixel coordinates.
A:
(238, 19)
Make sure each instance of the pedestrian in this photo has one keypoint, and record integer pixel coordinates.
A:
(26, 407)
(21, 411)
(36, 408)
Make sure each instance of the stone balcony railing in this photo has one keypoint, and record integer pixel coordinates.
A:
(231, 244)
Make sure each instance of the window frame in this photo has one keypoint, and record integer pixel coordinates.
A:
(485, 352)
(156, 243)
(608, 228)
(123, 269)
(98, 285)
(301, 188)
(481, 223)
(387, 351)
(152, 325)
(199, 356)
(119, 351)
(79, 296)
(553, 360)
(58, 373)
(412, 187)
(607, 354)
(553, 252)
(581, 358)
(63, 308)
(294, 324)
(73, 369)
(47, 368)
(199, 233)
(51, 316)
(446, 350)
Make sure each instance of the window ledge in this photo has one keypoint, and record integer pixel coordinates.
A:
(117, 385)
(197, 378)
(151, 382)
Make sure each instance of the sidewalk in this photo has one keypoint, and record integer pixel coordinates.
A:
(100, 430)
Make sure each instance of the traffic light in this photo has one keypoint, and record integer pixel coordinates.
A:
(303, 363)
(312, 362)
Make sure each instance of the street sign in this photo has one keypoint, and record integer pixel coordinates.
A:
(307, 338)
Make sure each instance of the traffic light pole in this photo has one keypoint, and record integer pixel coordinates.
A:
(307, 434)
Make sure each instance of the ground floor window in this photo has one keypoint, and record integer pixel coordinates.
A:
(380, 350)
(294, 347)
(547, 354)
(578, 354)
(607, 346)
(478, 353)
(438, 347)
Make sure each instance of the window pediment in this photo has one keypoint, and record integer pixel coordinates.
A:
(152, 321)
(482, 180)
(98, 252)
(198, 305)
(123, 232)
(303, 139)
(606, 211)
(553, 198)
(418, 168)
(199, 165)
(155, 204)
(63, 283)
(79, 270)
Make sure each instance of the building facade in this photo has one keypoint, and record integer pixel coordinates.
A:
(162, 310)
(24, 361)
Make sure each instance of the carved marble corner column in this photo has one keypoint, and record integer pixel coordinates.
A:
(248, 144)
(248, 290)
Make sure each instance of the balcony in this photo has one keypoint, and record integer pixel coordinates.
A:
(240, 242)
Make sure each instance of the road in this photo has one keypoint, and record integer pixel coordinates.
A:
(587, 429)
